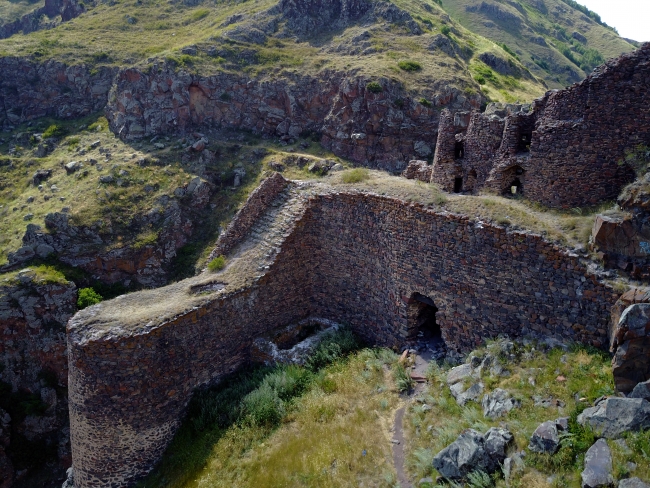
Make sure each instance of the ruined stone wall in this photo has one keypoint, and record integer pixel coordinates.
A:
(482, 141)
(351, 258)
(128, 393)
(256, 205)
(579, 137)
(29, 90)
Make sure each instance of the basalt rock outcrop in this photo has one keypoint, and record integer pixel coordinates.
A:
(353, 121)
(29, 90)
(92, 249)
(47, 17)
(33, 396)
(346, 257)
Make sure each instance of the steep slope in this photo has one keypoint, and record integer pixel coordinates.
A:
(555, 39)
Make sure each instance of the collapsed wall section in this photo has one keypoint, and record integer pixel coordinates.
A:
(353, 258)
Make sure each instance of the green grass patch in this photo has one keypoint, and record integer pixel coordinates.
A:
(355, 175)
(409, 66)
(54, 130)
(217, 264)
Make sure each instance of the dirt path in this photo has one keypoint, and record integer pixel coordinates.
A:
(428, 349)
(398, 449)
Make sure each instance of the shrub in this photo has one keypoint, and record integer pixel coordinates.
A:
(480, 79)
(332, 347)
(355, 175)
(263, 406)
(409, 65)
(88, 297)
(54, 131)
(217, 264)
(424, 102)
(288, 382)
(374, 87)
(445, 30)
(403, 379)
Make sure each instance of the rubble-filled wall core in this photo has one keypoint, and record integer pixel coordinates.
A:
(351, 257)
(566, 150)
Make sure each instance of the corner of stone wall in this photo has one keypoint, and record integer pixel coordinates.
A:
(255, 206)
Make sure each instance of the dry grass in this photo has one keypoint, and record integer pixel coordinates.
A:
(336, 435)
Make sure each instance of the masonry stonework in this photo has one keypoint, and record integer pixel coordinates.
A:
(350, 257)
(564, 150)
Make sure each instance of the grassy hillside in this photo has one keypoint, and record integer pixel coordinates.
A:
(11, 10)
(125, 33)
(555, 40)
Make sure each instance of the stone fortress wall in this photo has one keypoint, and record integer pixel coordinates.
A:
(563, 150)
(353, 258)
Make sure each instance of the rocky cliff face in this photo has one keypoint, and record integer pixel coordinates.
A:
(92, 248)
(50, 15)
(29, 90)
(353, 121)
(34, 375)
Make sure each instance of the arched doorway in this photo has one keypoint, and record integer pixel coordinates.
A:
(513, 181)
(424, 326)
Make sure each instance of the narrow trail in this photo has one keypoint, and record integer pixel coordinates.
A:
(398, 449)
(428, 349)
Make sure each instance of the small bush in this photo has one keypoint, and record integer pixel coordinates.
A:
(409, 66)
(263, 406)
(88, 297)
(425, 102)
(480, 79)
(355, 175)
(445, 30)
(374, 87)
(217, 264)
(54, 131)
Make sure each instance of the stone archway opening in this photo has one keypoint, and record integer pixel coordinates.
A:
(423, 314)
(525, 139)
(458, 184)
(459, 150)
(513, 181)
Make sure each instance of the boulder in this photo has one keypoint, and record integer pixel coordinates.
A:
(642, 390)
(545, 438)
(459, 373)
(41, 175)
(613, 416)
(73, 166)
(631, 341)
(462, 395)
(632, 483)
(598, 466)
(498, 403)
(472, 451)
